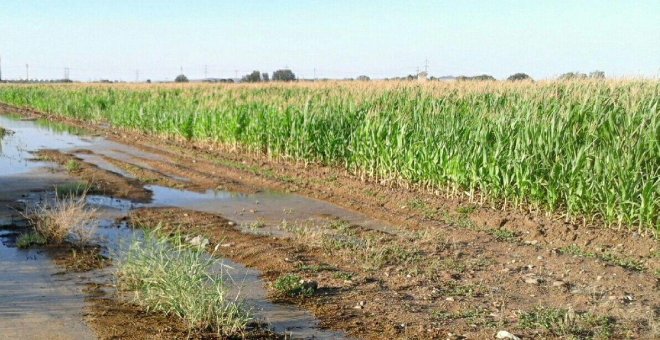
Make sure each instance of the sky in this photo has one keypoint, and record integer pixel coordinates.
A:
(149, 39)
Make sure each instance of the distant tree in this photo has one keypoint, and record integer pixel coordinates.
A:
(519, 76)
(363, 78)
(572, 76)
(597, 75)
(148, 81)
(284, 75)
(253, 77)
(264, 77)
(181, 78)
(482, 77)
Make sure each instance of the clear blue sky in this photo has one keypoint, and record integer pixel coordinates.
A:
(114, 38)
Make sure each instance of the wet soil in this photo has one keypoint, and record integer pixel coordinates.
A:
(452, 268)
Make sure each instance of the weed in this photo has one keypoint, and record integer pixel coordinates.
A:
(73, 165)
(393, 255)
(72, 189)
(316, 268)
(343, 276)
(64, 218)
(466, 209)
(331, 242)
(423, 207)
(504, 235)
(566, 322)
(293, 285)
(453, 288)
(175, 278)
(29, 239)
(259, 224)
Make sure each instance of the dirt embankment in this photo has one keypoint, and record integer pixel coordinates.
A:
(457, 268)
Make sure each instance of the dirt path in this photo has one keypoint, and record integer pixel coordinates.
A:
(452, 269)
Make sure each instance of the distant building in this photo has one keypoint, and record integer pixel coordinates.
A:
(422, 76)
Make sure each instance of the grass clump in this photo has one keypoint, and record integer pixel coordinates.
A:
(63, 219)
(293, 286)
(72, 165)
(74, 189)
(173, 277)
(566, 322)
(504, 235)
(30, 239)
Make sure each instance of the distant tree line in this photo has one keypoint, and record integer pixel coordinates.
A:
(578, 75)
(279, 75)
(23, 81)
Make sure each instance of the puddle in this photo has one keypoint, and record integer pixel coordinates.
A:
(286, 319)
(37, 304)
(29, 136)
(30, 293)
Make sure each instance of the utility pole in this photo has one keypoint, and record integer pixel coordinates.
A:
(235, 74)
(206, 71)
(66, 73)
(180, 69)
(315, 74)
(137, 76)
(426, 66)
(27, 72)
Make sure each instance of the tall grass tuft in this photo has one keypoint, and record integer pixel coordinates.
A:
(65, 218)
(586, 149)
(176, 278)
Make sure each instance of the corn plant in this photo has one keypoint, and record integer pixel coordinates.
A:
(586, 149)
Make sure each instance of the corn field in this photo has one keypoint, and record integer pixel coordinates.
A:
(585, 149)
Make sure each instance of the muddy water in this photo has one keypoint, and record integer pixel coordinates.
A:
(30, 290)
(246, 283)
(36, 302)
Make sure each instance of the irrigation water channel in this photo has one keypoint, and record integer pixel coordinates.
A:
(33, 291)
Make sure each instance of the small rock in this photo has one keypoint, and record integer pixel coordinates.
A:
(539, 258)
(226, 245)
(558, 283)
(199, 241)
(451, 299)
(532, 281)
(506, 335)
(598, 278)
(231, 223)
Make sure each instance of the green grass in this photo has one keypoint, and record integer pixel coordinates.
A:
(563, 322)
(72, 165)
(30, 239)
(586, 149)
(504, 235)
(175, 278)
(74, 189)
(293, 285)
